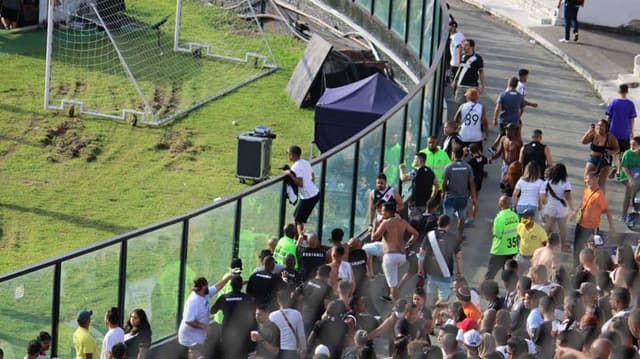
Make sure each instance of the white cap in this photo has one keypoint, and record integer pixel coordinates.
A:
(472, 338)
(322, 350)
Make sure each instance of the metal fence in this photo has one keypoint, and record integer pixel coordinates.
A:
(151, 268)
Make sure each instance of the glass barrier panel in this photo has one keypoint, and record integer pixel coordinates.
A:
(153, 265)
(426, 114)
(381, 10)
(365, 4)
(399, 17)
(415, 25)
(368, 169)
(393, 148)
(210, 247)
(87, 282)
(260, 213)
(25, 310)
(412, 136)
(338, 191)
(312, 222)
(427, 33)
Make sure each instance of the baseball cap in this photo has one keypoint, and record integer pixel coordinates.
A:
(528, 212)
(322, 350)
(472, 338)
(463, 294)
(84, 316)
(467, 324)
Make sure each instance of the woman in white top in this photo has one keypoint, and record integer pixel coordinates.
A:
(472, 117)
(559, 204)
(530, 190)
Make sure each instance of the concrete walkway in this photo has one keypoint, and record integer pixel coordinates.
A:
(600, 56)
(568, 105)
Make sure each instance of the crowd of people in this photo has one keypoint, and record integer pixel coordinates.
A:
(557, 295)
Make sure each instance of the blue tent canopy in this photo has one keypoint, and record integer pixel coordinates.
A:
(344, 111)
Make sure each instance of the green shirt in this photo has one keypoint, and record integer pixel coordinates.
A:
(436, 161)
(631, 161)
(505, 233)
(284, 247)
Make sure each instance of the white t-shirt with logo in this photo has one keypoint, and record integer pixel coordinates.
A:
(302, 168)
(113, 337)
(456, 41)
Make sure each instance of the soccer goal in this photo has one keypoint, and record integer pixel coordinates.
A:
(150, 61)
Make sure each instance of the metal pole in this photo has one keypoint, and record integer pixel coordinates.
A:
(283, 209)
(47, 69)
(183, 270)
(55, 308)
(122, 279)
(323, 178)
(236, 228)
(354, 189)
(176, 32)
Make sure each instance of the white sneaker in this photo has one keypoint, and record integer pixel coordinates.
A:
(563, 40)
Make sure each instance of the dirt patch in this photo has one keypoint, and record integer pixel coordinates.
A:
(63, 89)
(10, 240)
(79, 88)
(179, 143)
(164, 104)
(68, 140)
(29, 182)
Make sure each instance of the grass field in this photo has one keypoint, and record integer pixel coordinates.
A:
(55, 198)
(68, 182)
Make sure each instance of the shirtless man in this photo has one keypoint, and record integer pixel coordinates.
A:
(549, 255)
(392, 231)
(509, 147)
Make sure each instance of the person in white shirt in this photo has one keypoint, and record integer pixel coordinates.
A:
(194, 326)
(472, 117)
(301, 174)
(523, 77)
(289, 321)
(114, 335)
(455, 46)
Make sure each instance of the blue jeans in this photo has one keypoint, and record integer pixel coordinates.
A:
(570, 18)
(455, 205)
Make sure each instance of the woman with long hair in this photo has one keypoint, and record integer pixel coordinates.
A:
(530, 190)
(556, 211)
(603, 147)
(508, 183)
(137, 335)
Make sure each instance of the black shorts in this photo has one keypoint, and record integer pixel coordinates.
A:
(624, 144)
(304, 208)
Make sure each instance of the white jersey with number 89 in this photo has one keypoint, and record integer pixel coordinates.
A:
(471, 122)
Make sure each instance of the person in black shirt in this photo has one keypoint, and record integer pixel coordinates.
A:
(424, 185)
(330, 331)
(358, 261)
(238, 312)
(311, 257)
(317, 295)
(452, 140)
(262, 284)
(267, 335)
(536, 151)
(364, 320)
(470, 73)
(425, 317)
(290, 278)
(489, 289)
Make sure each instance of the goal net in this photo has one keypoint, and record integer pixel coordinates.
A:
(150, 61)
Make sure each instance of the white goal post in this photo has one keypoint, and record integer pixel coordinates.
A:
(150, 61)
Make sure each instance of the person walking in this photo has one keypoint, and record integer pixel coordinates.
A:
(603, 146)
(382, 193)
(472, 117)
(559, 203)
(587, 216)
(508, 148)
(536, 151)
(571, 8)
(530, 193)
(470, 73)
(455, 47)
(424, 184)
(630, 174)
(457, 186)
(438, 252)
(437, 158)
(523, 78)
(621, 114)
(504, 245)
(531, 236)
(508, 110)
(291, 327)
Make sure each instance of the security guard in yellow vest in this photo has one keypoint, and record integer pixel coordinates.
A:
(505, 237)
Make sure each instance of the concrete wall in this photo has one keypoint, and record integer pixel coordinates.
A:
(611, 13)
